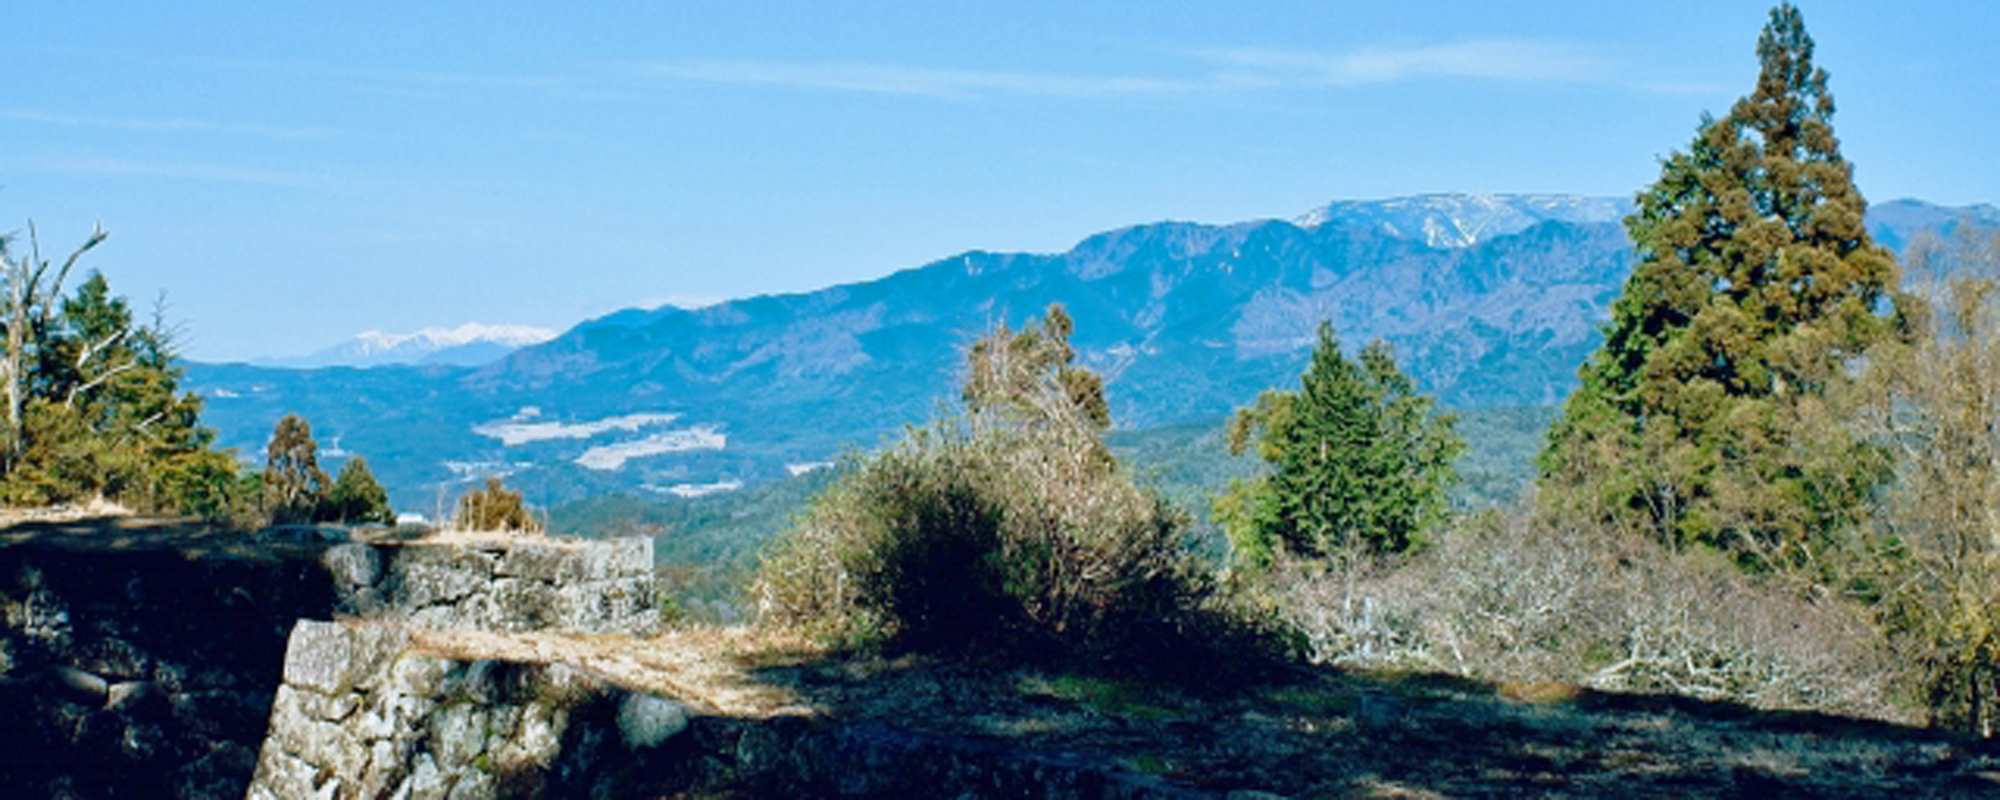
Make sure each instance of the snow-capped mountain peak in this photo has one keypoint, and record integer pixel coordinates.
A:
(470, 344)
(432, 339)
(1463, 220)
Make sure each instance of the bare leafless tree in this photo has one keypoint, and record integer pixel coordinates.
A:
(31, 303)
(1935, 404)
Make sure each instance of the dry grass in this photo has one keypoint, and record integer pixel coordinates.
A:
(710, 669)
(95, 508)
(482, 540)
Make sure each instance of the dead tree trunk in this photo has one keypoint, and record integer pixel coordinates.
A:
(31, 306)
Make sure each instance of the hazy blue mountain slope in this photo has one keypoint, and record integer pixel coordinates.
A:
(710, 544)
(1186, 320)
(1895, 222)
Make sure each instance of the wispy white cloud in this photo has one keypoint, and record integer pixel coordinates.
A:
(1499, 59)
(869, 78)
(1215, 70)
(176, 170)
(158, 124)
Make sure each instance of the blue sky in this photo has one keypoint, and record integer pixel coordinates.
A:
(291, 174)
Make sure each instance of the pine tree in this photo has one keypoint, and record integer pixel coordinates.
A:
(294, 485)
(1757, 286)
(1357, 456)
(356, 497)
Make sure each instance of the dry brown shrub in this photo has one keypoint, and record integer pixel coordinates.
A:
(1509, 599)
(494, 508)
(978, 533)
(1931, 555)
(1008, 528)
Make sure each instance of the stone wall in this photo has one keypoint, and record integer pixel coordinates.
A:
(362, 714)
(143, 664)
(503, 584)
(141, 658)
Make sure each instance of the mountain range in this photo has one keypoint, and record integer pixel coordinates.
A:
(1488, 300)
(469, 345)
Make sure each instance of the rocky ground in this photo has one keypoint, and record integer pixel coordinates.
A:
(1310, 734)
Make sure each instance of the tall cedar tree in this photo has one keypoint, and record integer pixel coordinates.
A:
(1757, 286)
(1357, 456)
(295, 487)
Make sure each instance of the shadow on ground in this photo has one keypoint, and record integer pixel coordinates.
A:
(893, 727)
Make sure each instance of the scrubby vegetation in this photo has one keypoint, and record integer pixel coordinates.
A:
(494, 508)
(1010, 525)
(1776, 486)
(1929, 559)
(1518, 599)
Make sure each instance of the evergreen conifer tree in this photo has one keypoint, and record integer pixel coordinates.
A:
(1356, 456)
(356, 497)
(1756, 287)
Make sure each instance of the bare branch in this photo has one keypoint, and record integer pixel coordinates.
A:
(167, 337)
(35, 257)
(74, 391)
(91, 350)
(97, 237)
